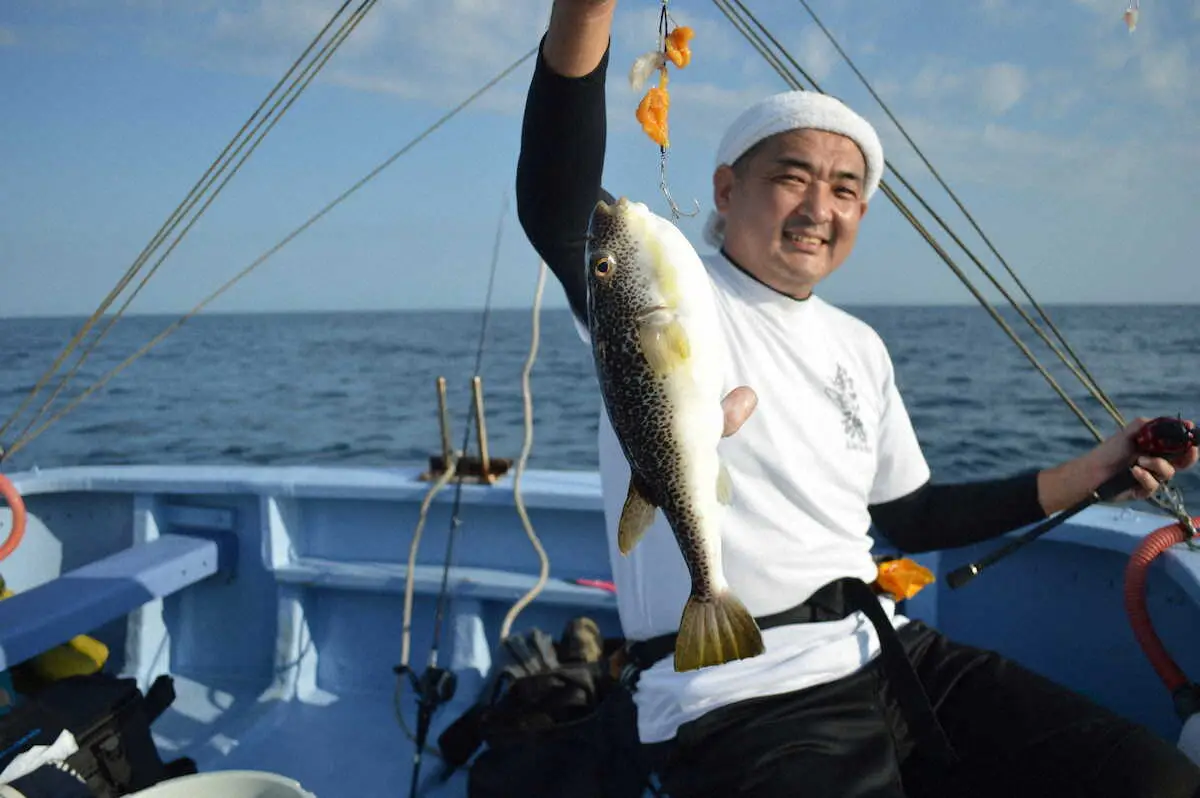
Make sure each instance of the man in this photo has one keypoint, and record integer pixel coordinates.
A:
(819, 446)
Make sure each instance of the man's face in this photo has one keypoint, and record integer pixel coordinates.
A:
(792, 207)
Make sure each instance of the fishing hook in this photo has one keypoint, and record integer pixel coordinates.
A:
(662, 184)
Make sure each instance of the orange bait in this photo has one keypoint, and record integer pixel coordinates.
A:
(652, 110)
(677, 46)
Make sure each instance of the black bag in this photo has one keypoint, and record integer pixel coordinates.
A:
(555, 723)
(110, 720)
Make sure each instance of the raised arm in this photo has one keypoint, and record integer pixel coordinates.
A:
(563, 139)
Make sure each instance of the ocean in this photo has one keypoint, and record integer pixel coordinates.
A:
(358, 389)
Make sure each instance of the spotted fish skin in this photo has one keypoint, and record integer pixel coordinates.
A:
(657, 351)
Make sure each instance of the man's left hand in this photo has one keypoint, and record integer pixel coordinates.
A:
(1071, 482)
(1119, 452)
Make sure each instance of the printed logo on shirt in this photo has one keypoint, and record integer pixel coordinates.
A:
(842, 392)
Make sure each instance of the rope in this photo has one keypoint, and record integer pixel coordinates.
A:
(186, 205)
(778, 65)
(518, 500)
(29, 436)
(526, 394)
(406, 630)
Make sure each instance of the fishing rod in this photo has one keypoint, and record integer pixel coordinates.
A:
(1161, 437)
(436, 685)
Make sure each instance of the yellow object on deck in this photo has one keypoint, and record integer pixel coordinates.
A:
(79, 656)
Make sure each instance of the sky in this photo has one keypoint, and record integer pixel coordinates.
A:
(1070, 140)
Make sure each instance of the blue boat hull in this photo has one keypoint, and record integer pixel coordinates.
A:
(275, 597)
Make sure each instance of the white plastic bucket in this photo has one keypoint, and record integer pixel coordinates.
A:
(227, 784)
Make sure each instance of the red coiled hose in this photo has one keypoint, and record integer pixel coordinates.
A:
(1136, 570)
(9, 495)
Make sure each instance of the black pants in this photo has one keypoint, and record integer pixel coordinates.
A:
(1016, 734)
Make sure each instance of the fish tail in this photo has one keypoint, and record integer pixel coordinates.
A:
(715, 630)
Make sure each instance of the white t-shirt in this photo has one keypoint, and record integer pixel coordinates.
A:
(830, 435)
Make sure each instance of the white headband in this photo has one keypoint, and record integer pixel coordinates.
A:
(794, 110)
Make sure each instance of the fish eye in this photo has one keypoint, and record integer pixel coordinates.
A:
(602, 265)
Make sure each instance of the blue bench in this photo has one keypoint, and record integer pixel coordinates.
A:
(38, 619)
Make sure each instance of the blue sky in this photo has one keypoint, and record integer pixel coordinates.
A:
(1070, 140)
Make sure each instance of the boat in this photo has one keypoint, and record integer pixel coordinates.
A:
(275, 599)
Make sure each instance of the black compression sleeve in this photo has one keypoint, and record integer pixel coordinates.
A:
(563, 138)
(948, 516)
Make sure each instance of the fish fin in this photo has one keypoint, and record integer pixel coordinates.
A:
(724, 485)
(636, 517)
(714, 631)
(665, 344)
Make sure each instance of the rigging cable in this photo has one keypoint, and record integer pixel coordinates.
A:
(29, 436)
(900, 205)
(323, 57)
(970, 219)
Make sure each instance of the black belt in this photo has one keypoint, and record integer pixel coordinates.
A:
(833, 602)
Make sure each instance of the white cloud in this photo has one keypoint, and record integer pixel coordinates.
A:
(438, 52)
(1003, 87)
(818, 57)
(1166, 75)
(936, 80)
(1090, 168)
(995, 88)
(1004, 12)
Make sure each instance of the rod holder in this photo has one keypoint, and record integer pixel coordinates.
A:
(444, 419)
(484, 468)
(481, 427)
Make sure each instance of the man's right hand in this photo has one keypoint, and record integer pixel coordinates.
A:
(578, 35)
(738, 404)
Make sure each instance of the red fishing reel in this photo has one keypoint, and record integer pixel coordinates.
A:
(1166, 437)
